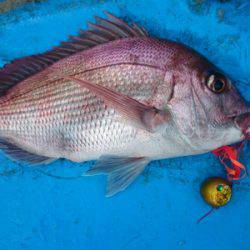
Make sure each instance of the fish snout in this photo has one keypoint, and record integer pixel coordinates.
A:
(243, 123)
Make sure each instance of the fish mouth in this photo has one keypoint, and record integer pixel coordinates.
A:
(242, 122)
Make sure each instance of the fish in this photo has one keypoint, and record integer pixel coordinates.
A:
(118, 96)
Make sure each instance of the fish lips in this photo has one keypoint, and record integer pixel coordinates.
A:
(242, 122)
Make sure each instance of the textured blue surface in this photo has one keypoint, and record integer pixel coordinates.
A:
(52, 207)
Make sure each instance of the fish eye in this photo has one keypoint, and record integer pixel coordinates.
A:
(216, 82)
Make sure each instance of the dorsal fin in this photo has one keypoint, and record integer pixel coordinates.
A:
(105, 30)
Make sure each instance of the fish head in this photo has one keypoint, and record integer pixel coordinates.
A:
(207, 108)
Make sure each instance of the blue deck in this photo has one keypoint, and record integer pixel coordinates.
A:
(53, 207)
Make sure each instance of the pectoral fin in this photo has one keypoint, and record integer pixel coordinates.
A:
(121, 171)
(146, 117)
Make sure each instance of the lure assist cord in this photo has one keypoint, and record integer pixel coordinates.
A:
(229, 157)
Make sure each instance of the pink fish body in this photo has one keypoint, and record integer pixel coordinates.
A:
(118, 95)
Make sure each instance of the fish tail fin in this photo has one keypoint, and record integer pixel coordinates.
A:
(20, 155)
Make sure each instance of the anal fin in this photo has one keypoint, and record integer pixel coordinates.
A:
(20, 155)
(121, 171)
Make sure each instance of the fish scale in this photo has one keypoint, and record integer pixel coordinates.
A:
(77, 116)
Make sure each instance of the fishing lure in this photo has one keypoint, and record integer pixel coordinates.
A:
(216, 191)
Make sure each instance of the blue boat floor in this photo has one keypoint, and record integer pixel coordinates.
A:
(54, 207)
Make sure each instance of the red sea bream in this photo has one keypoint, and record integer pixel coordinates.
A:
(115, 94)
